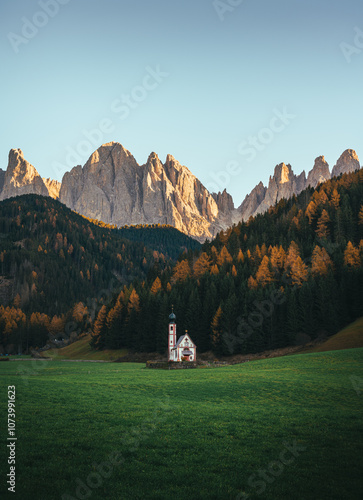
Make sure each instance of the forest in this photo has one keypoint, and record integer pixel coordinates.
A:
(57, 267)
(287, 276)
(284, 277)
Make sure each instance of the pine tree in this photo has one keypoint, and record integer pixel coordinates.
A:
(310, 211)
(335, 199)
(264, 275)
(224, 256)
(216, 328)
(99, 329)
(134, 302)
(298, 272)
(240, 256)
(214, 269)
(252, 283)
(321, 262)
(113, 338)
(156, 286)
(277, 258)
(351, 256)
(257, 256)
(360, 215)
(201, 265)
(181, 271)
(321, 197)
(322, 230)
(292, 254)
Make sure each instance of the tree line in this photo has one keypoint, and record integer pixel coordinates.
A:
(52, 259)
(286, 276)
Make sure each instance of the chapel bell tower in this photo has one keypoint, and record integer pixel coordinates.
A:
(172, 335)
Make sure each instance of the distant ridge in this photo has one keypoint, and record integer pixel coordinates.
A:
(112, 187)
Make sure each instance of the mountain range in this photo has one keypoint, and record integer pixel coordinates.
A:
(114, 188)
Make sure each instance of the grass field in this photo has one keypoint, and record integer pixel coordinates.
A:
(348, 338)
(81, 349)
(118, 431)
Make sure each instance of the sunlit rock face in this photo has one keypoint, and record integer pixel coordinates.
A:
(284, 183)
(53, 187)
(20, 177)
(112, 187)
(348, 162)
(320, 172)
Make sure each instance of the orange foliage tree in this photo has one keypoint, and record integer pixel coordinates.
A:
(321, 262)
(322, 229)
(264, 275)
(351, 256)
(156, 286)
(201, 265)
(181, 271)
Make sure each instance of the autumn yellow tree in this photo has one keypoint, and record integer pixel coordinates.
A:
(98, 327)
(292, 254)
(224, 256)
(240, 256)
(214, 269)
(322, 230)
(80, 311)
(257, 256)
(113, 314)
(56, 326)
(335, 199)
(201, 265)
(298, 272)
(351, 256)
(277, 258)
(264, 275)
(320, 261)
(216, 327)
(181, 271)
(252, 283)
(17, 300)
(156, 286)
(321, 197)
(134, 301)
(310, 211)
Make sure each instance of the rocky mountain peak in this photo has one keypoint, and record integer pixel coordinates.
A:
(282, 173)
(224, 201)
(251, 202)
(114, 188)
(53, 187)
(153, 163)
(2, 179)
(21, 177)
(348, 162)
(319, 173)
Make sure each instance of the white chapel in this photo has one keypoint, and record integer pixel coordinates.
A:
(184, 348)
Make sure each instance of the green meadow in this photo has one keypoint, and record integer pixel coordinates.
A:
(283, 428)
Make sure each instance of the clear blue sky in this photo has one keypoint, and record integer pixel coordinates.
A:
(220, 82)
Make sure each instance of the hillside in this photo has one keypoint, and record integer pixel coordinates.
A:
(349, 338)
(285, 277)
(81, 350)
(56, 267)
